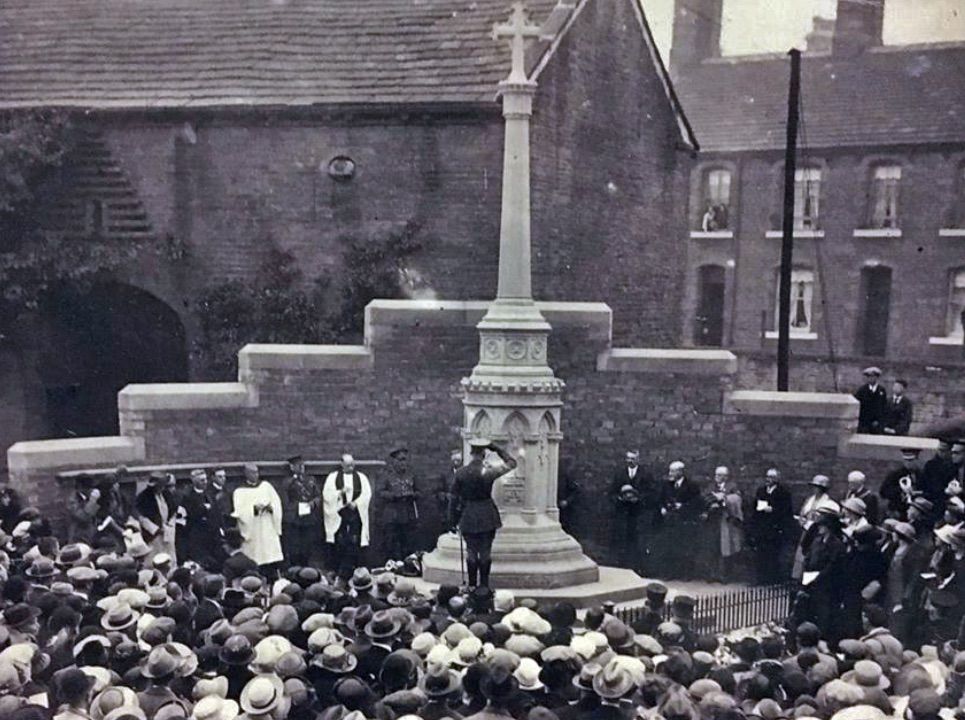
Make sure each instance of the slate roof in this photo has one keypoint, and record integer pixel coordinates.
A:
(886, 96)
(210, 53)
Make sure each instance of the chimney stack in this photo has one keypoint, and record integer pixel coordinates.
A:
(696, 32)
(821, 36)
(858, 26)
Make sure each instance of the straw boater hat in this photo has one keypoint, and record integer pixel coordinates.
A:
(262, 695)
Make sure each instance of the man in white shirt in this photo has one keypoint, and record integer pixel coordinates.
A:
(346, 495)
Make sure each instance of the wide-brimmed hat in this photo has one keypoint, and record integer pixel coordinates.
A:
(282, 619)
(872, 370)
(82, 574)
(217, 686)
(269, 649)
(584, 681)
(403, 593)
(467, 651)
(160, 663)
(612, 682)
(157, 598)
(237, 650)
(73, 554)
(336, 659)
(439, 681)
(382, 625)
(119, 617)
(41, 567)
(868, 674)
(18, 615)
(361, 579)
(92, 639)
(527, 674)
(213, 707)
(72, 683)
(262, 694)
(855, 505)
(128, 712)
(110, 699)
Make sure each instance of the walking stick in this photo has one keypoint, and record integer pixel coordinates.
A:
(462, 561)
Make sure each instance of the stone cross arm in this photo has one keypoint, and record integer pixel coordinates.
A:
(517, 31)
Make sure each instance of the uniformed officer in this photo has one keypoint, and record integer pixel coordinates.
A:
(301, 529)
(401, 506)
(472, 509)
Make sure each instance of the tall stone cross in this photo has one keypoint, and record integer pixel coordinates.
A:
(518, 30)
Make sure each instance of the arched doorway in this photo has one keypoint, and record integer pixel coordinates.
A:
(93, 344)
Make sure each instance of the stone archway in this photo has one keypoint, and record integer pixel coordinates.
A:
(93, 344)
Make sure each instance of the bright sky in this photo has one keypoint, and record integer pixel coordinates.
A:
(753, 26)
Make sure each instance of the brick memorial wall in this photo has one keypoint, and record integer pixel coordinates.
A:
(402, 386)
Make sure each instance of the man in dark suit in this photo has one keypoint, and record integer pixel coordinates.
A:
(680, 507)
(301, 515)
(937, 473)
(873, 403)
(900, 411)
(771, 522)
(82, 506)
(237, 564)
(632, 490)
(198, 539)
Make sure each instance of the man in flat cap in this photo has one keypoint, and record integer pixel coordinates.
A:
(873, 401)
(401, 506)
(301, 526)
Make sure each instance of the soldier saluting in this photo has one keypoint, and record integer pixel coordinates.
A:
(472, 509)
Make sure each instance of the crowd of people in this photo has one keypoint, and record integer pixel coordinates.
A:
(213, 604)
(124, 632)
(901, 547)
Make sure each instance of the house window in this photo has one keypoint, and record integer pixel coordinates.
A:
(956, 304)
(884, 196)
(959, 211)
(807, 198)
(802, 297)
(716, 200)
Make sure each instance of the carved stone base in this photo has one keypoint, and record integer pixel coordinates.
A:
(524, 556)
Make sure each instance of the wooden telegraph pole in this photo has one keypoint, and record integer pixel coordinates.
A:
(787, 238)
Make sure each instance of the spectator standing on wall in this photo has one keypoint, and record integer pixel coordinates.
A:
(873, 402)
(82, 506)
(900, 410)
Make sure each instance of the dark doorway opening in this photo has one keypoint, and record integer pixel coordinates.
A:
(95, 343)
(709, 323)
(875, 310)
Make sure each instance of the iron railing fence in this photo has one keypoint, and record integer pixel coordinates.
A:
(733, 610)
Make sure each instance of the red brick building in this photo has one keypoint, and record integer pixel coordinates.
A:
(879, 256)
(239, 127)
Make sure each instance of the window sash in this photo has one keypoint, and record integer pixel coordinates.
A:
(802, 302)
(807, 198)
(956, 303)
(884, 213)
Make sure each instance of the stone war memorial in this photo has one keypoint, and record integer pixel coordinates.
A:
(543, 378)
